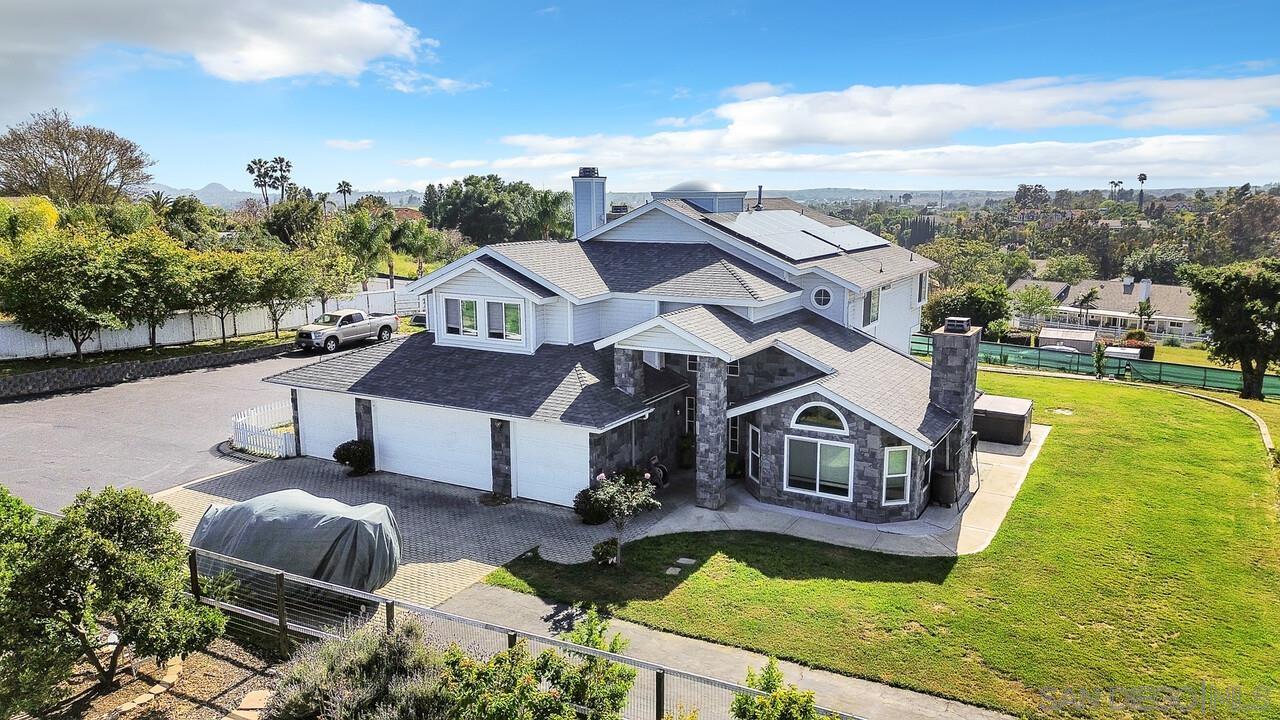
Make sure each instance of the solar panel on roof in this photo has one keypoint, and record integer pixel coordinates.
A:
(848, 237)
(795, 236)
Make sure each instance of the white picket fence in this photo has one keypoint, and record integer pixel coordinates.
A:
(183, 328)
(266, 430)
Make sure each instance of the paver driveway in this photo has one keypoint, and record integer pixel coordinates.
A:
(449, 538)
(152, 434)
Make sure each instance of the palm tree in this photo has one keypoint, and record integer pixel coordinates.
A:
(417, 239)
(261, 173)
(1119, 184)
(1142, 180)
(367, 239)
(158, 201)
(1145, 311)
(1087, 301)
(549, 215)
(280, 174)
(344, 189)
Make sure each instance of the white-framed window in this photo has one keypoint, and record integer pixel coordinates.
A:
(819, 417)
(820, 297)
(897, 475)
(922, 288)
(504, 320)
(734, 368)
(753, 452)
(460, 317)
(818, 467)
(691, 363)
(928, 472)
(871, 307)
(690, 414)
(734, 428)
(1175, 324)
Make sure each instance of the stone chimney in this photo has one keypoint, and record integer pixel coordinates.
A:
(628, 371)
(953, 385)
(588, 201)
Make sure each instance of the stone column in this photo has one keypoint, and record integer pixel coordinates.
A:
(364, 424)
(628, 371)
(297, 427)
(500, 441)
(712, 406)
(953, 382)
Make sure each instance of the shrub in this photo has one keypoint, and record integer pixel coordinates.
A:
(782, 701)
(588, 507)
(592, 682)
(372, 673)
(357, 455)
(1171, 342)
(1135, 334)
(605, 552)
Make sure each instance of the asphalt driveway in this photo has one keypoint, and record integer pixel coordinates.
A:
(151, 434)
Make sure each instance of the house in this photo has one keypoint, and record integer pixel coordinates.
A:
(1115, 310)
(768, 340)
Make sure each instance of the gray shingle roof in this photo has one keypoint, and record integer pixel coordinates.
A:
(693, 270)
(1169, 301)
(569, 384)
(891, 386)
(516, 277)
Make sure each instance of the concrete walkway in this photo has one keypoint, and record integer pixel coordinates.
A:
(938, 532)
(864, 698)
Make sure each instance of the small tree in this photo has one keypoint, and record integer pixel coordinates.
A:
(154, 279)
(594, 682)
(60, 283)
(624, 498)
(1099, 359)
(983, 304)
(418, 240)
(1086, 301)
(282, 281)
(223, 285)
(114, 558)
(1240, 307)
(781, 701)
(1145, 311)
(1032, 301)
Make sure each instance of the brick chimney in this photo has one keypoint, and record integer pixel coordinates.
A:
(628, 371)
(953, 384)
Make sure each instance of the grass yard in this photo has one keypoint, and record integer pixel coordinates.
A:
(407, 266)
(1143, 550)
(1188, 356)
(244, 342)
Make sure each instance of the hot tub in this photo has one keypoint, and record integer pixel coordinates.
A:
(1001, 419)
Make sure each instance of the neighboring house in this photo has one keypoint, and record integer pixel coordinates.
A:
(1116, 308)
(770, 339)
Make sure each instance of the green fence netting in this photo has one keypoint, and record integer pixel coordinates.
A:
(1082, 364)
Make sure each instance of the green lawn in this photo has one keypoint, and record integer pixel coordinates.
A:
(408, 267)
(1188, 356)
(1142, 550)
(244, 342)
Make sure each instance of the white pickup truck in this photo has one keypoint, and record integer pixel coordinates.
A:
(343, 327)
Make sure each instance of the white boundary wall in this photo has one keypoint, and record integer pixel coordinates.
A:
(183, 327)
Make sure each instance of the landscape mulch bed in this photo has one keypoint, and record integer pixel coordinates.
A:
(211, 685)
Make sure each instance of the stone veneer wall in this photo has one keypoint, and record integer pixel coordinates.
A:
(611, 451)
(712, 431)
(58, 380)
(868, 441)
(766, 370)
(500, 442)
(364, 425)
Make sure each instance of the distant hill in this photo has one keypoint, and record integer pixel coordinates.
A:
(221, 196)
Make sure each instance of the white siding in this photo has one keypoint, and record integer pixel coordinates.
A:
(553, 322)
(473, 282)
(899, 314)
(756, 314)
(809, 281)
(325, 420)
(654, 226)
(661, 340)
(586, 323)
(593, 321)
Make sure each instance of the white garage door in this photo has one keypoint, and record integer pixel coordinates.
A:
(549, 462)
(434, 443)
(327, 420)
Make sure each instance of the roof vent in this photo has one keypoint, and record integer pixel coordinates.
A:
(588, 172)
(956, 325)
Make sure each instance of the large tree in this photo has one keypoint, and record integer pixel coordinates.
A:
(153, 279)
(222, 285)
(1239, 305)
(281, 281)
(418, 240)
(281, 170)
(1158, 263)
(367, 239)
(115, 557)
(52, 156)
(1069, 269)
(344, 189)
(982, 304)
(260, 171)
(293, 221)
(333, 272)
(962, 261)
(60, 283)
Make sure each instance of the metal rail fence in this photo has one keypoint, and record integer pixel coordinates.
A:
(1208, 378)
(266, 430)
(286, 609)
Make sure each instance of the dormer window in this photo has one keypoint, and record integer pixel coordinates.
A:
(821, 297)
(460, 317)
(505, 321)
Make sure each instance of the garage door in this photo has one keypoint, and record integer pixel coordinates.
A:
(549, 462)
(434, 443)
(327, 420)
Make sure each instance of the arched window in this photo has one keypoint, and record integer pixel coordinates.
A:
(821, 417)
(821, 297)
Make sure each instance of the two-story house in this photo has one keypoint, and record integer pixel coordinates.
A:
(771, 337)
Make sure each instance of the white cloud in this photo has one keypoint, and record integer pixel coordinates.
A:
(235, 40)
(349, 144)
(754, 90)
(408, 80)
(549, 10)
(422, 162)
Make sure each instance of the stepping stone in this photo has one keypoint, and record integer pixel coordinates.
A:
(244, 715)
(170, 679)
(126, 707)
(173, 662)
(255, 700)
(685, 561)
(143, 699)
(673, 571)
(158, 688)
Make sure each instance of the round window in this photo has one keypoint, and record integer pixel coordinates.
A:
(821, 297)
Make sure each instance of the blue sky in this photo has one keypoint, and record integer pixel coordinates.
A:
(790, 95)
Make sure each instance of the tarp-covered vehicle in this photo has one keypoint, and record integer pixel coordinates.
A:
(301, 534)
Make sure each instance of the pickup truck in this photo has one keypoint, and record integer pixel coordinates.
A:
(343, 327)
